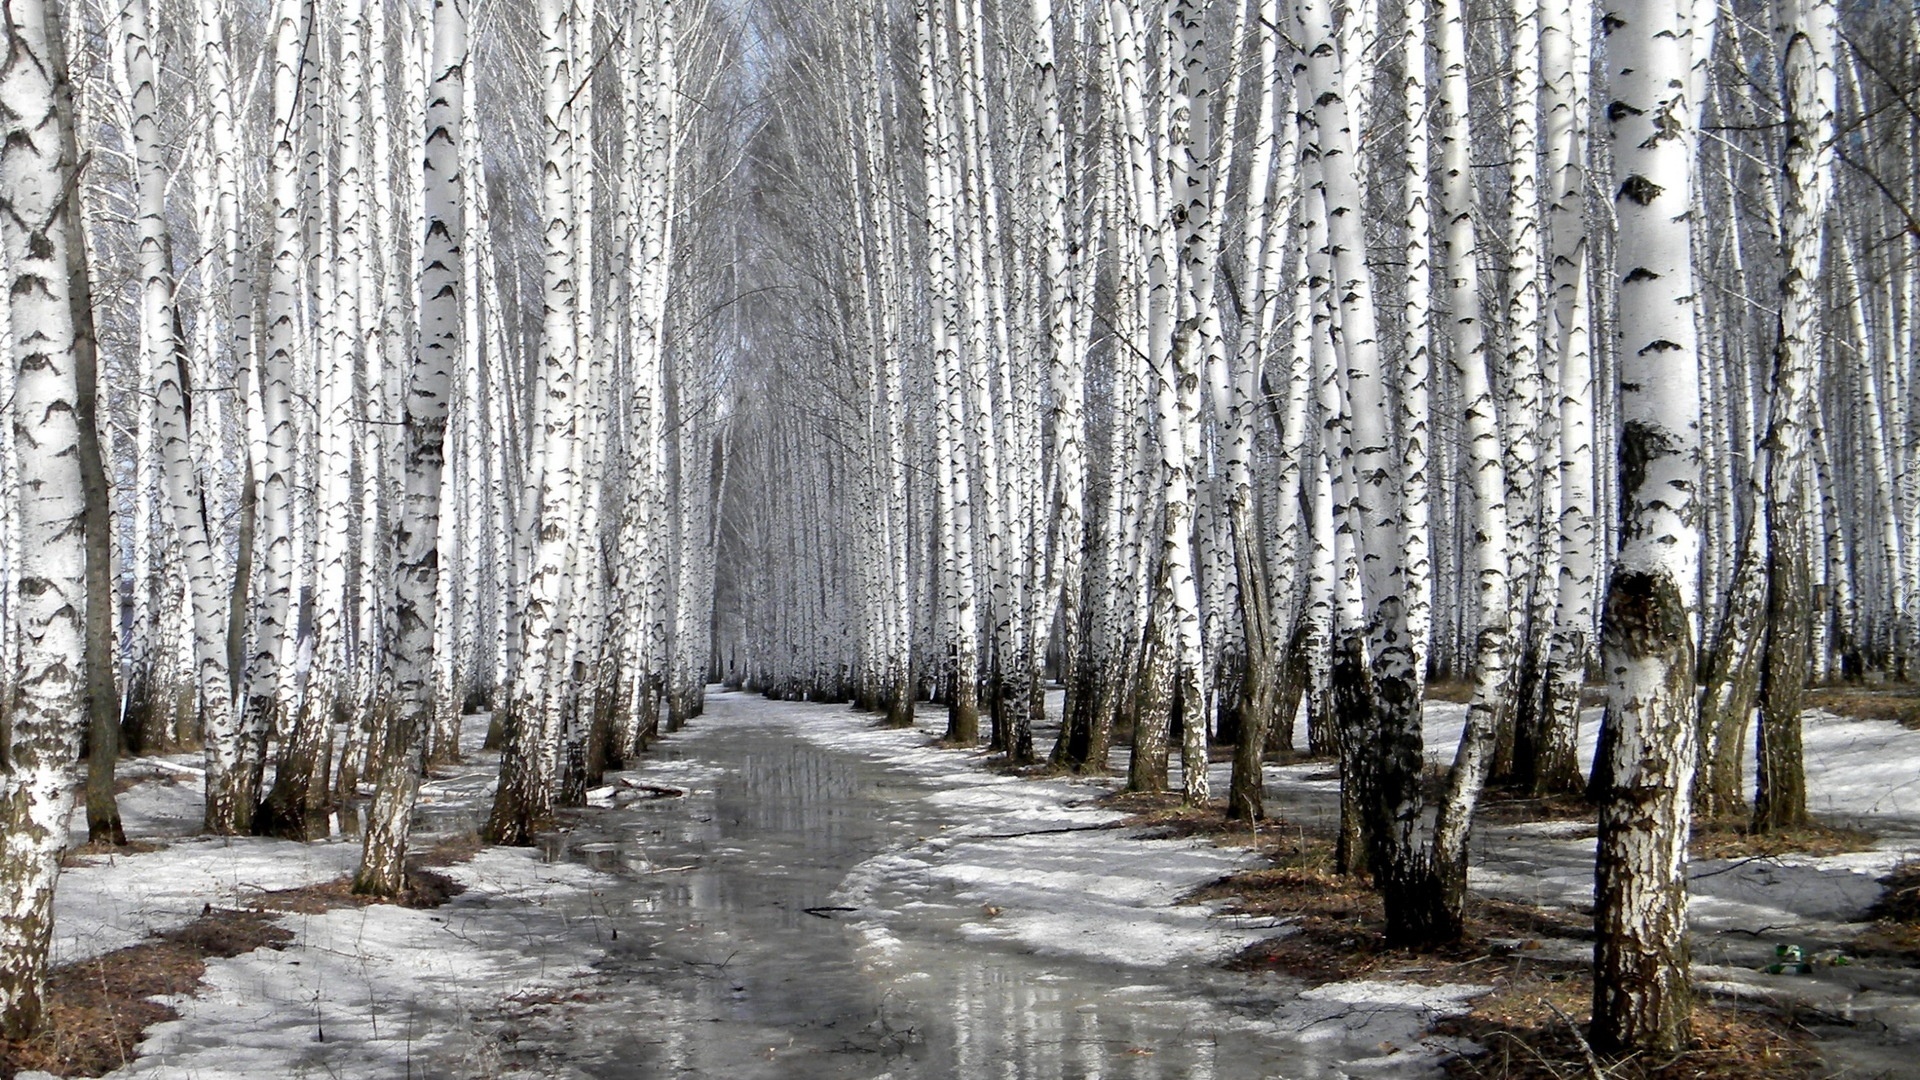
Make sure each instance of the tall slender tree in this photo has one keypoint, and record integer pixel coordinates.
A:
(430, 384)
(1641, 995)
(50, 328)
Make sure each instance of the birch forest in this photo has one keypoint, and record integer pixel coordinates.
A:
(1416, 498)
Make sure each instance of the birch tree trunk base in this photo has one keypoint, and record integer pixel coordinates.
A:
(1289, 691)
(1558, 771)
(1425, 907)
(296, 806)
(899, 700)
(963, 713)
(523, 803)
(1780, 798)
(1731, 676)
(1520, 765)
(1152, 723)
(103, 750)
(1017, 702)
(1348, 687)
(143, 710)
(1246, 790)
(383, 853)
(31, 863)
(1642, 992)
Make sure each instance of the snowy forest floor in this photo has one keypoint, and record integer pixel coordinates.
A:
(834, 899)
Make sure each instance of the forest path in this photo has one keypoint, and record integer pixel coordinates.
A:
(836, 900)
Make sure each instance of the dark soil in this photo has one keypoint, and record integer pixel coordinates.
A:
(85, 853)
(425, 889)
(1501, 805)
(97, 1010)
(1335, 933)
(1335, 926)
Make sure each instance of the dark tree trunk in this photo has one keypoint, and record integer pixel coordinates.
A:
(1353, 720)
(963, 710)
(1153, 712)
(1730, 677)
(103, 704)
(1255, 706)
(1290, 685)
(1780, 801)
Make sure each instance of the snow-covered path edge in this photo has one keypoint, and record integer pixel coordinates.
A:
(373, 991)
(1037, 872)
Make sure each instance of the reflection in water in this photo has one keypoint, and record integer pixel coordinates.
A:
(720, 970)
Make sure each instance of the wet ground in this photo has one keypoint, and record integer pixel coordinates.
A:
(737, 955)
(786, 890)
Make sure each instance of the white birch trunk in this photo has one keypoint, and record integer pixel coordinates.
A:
(51, 336)
(1645, 774)
(523, 804)
(268, 674)
(429, 387)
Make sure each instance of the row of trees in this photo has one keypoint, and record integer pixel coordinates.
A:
(1225, 357)
(1125, 338)
(392, 398)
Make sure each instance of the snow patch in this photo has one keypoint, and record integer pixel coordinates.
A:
(1390, 1017)
(382, 990)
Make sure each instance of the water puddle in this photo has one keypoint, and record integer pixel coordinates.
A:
(735, 955)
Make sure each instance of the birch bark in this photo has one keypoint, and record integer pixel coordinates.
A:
(429, 387)
(1641, 995)
(52, 345)
(523, 803)
(1807, 27)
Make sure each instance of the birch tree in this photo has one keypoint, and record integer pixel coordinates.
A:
(523, 803)
(429, 386)
(1641, 993)
(269, 690)
(51, 332)
(1806, 30)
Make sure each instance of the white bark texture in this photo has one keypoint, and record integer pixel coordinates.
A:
(1645, 775)
(429, 388)
(40, 232)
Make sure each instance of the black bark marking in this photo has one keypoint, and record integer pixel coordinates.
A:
(1641, 190)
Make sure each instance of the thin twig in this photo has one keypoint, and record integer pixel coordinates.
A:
(1593, 1062)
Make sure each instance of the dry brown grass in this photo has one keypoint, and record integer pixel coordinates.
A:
(1335, 933)
(451, 849)
(85, 853)
(1733, 840)
(1457, 691)
(1510, 806)
(1533, 1023)
(1163, 815)
(425, 889)
(97, 1009)
(1042, 769)
(1901, 901)
(1899, 704)
(1896, 915)
(1336, 926)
